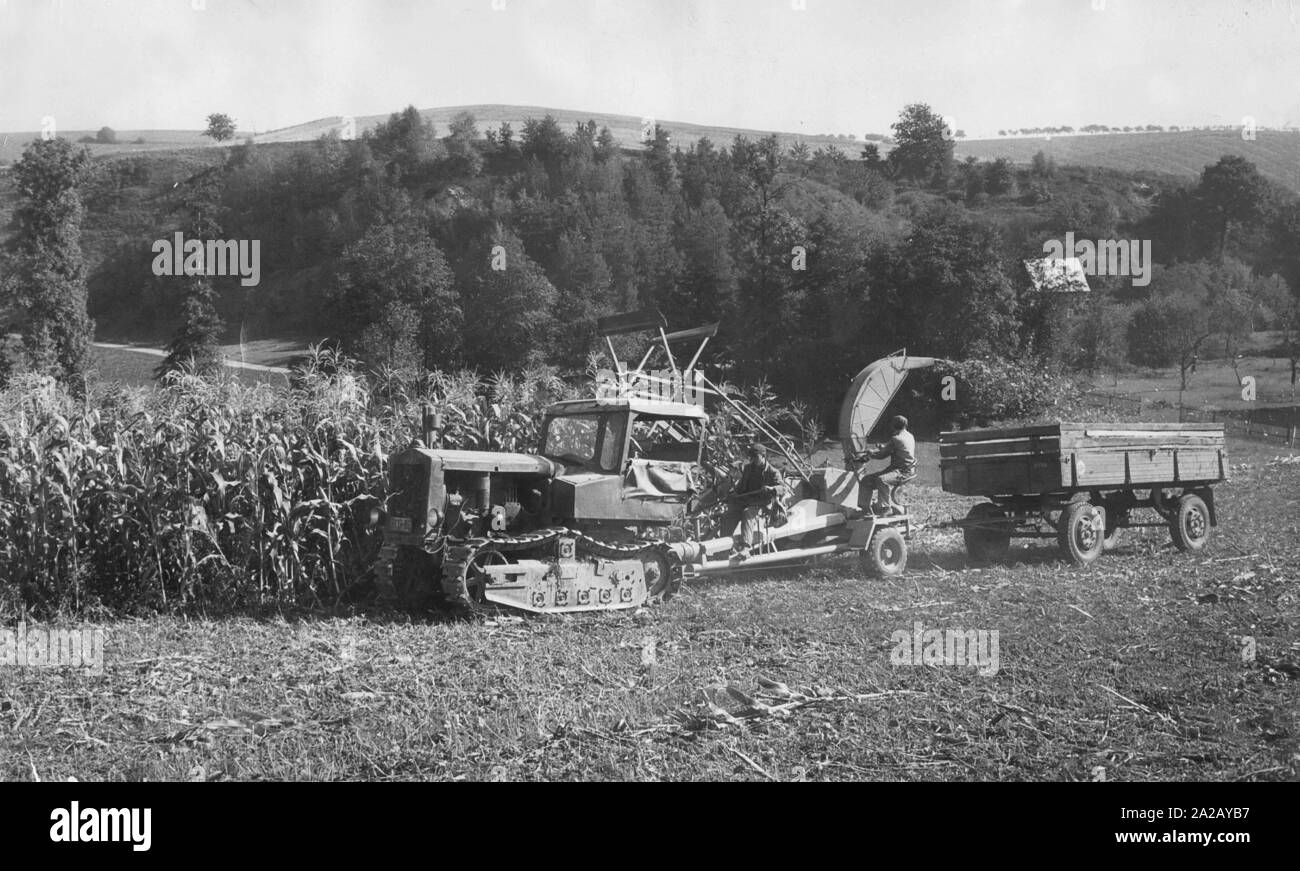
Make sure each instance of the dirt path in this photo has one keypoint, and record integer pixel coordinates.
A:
(155, 352)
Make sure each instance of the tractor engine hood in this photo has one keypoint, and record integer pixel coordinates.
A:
(489, 461)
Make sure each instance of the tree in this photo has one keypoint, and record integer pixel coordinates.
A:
(43, 279)
(942, 288)
(1169, 329)
(1288, 319)
(1189, 304)
(871, 155)
(544, 140)
(707, 287)
(106, 136)
(1042, 166)
(998, 177)
(512, 324)
(766, 233)
(971, 176)
(463, 126)
(799, 155)
(1097, 336)
(606, 146)
(659, 155)
(506, 140)
(1232, 193)
(196, 345)
(924, 149)
(583, 283)
(462, 154)
(393, 297)
(220, 127)
(406, 143)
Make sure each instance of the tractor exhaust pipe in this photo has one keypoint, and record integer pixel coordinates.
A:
(430, 426)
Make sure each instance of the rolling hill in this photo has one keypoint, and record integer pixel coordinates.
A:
(1184, 153)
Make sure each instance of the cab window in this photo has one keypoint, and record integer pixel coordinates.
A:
(593, 440)
(666, 439)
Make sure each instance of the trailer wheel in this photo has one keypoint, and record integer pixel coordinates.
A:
(983, 543)
(1081, 532)
(1190, 525)
(887, 553)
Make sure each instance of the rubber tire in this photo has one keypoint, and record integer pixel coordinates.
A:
(1070, 530)
(886, 553)
(986, 545)
(1190, 526)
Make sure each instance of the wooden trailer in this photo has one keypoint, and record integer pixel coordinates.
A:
(1082, 483)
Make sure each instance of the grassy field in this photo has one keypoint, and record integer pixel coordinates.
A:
(1130, 669)
(12, 144)
(1214, 384)
(1185, 152)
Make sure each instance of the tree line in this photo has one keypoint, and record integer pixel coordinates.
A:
(499, 249)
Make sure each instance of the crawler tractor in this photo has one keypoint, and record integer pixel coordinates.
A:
(605, 514)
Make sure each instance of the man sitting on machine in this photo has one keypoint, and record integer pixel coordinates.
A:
(901, 451)
(754, 496)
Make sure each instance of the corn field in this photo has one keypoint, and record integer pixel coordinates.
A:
(208, 494)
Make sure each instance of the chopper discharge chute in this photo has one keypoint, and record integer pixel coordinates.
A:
(868, 397)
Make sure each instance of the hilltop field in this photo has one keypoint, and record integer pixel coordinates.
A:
(1182, 153)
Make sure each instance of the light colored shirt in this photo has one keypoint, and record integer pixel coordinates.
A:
(901, 451)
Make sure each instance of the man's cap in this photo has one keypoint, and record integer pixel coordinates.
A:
(757, 449)
(898, 422)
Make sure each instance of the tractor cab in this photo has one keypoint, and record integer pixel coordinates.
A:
(625, 460)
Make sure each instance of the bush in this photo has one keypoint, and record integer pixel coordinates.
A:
(997, 390)
(106, 136)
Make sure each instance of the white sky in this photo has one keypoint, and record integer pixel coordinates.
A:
(836, 66)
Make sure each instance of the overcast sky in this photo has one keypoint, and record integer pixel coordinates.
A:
(835, 66)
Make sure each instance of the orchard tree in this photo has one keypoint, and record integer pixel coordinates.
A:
(43, 274)
(1170, 329)
(221, 127)
(1183, 312)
